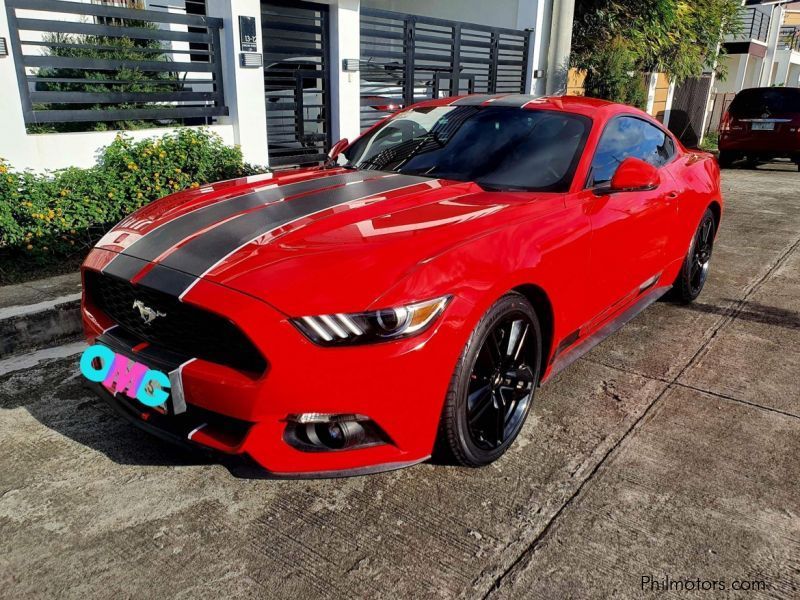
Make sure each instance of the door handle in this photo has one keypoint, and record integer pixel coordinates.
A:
(672, 195)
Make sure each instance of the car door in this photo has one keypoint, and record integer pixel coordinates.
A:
(630, 230)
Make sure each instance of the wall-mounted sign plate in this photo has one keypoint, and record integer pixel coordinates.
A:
(248, 39)
(250, 59)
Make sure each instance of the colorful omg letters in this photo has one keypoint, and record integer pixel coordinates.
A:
(118, 372)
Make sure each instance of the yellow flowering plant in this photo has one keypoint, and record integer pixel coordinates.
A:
(46, 218)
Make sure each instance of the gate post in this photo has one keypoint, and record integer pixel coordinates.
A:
(345, 93)
(244, 86)
(15, 145)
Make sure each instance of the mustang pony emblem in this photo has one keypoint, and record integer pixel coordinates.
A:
(148, 314)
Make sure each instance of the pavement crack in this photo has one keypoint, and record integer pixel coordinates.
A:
(626, 370)
(738, 400)
(526, 555)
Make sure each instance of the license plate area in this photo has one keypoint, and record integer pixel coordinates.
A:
(158, 359)
(133, 378)
(763, 126)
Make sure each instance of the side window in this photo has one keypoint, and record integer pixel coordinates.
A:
(629, 136)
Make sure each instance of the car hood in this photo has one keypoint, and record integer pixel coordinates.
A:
(306, 242)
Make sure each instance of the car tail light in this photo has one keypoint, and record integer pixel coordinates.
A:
(725, 125)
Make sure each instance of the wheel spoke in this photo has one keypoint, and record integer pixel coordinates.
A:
(488, 361)
(494, 348)
(706, 233)
(500, 424)
(513, 337)
(515, 348)
(479, 401)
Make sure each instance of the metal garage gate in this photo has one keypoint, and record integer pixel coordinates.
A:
(689, 104)
(296, 81)
(409, 58)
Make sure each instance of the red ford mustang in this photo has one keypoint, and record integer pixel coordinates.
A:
(408, 296)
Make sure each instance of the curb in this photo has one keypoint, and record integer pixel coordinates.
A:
(25, 327)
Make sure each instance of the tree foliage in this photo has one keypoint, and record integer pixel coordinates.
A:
(681, 38)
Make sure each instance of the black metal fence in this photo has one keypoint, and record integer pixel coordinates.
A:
(80, 64)
(409, 58)
(789, 38)
(754, 25)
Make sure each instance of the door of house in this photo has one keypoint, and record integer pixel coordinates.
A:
(296, 81)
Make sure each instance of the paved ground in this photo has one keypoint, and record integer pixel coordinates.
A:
(670, 450)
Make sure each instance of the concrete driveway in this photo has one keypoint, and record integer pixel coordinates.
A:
(672, 450)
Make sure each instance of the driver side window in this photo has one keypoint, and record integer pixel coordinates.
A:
(629, 136)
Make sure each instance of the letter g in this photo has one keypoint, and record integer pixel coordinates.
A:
(156, 396)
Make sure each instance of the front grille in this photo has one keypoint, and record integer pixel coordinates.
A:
(185, 329)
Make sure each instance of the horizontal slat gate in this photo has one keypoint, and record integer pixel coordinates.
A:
(296, 81)
(80, 64)
(409, 58)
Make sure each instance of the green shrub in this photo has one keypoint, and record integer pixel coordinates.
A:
(45, 219)
(710, 142)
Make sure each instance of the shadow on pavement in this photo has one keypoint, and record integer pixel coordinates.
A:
(755, 312)
(54, 395)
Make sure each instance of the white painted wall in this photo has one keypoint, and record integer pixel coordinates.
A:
(244, 87)
(345, 87)
(51, 151)
(13, 146)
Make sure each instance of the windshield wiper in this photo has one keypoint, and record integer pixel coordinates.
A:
(490, 187)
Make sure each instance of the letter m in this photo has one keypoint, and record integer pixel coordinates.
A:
(127, 375)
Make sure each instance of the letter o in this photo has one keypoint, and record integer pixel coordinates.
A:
(106, 356)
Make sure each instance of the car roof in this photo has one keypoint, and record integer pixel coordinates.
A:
(575, 104)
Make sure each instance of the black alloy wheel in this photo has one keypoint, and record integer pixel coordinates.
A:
(694, 272)
(494, 384)
(703, 245)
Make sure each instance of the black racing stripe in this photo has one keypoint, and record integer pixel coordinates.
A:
(124, 267)
(515, 100)
(153, 244)
(167, 280)
(203, 252)
(475, 99)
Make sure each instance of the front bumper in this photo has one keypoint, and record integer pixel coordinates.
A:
(400, 385)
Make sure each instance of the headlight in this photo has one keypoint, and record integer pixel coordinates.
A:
(374, 326)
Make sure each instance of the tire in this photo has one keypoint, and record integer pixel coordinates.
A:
(726, 159)
(478, 426)
(694, 271)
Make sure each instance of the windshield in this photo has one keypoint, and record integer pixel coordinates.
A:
(765, 102)
(499, 148)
